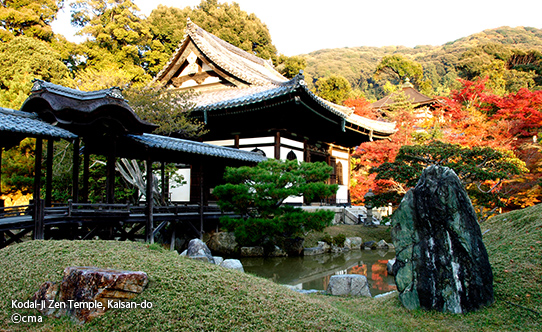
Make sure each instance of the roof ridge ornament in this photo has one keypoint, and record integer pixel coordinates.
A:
(37, 85)
(407, 84)
(115, 92)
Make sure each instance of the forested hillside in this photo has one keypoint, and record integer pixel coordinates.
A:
(512, 55)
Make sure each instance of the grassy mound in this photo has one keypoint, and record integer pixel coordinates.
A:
(194, 296)
(186, 295)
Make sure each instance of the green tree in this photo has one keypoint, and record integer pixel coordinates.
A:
(257, 193)
(291, 66)
(400, 68)
(481, 169)
(22, 60)
(224, 20)
(168, 109)
(18, 167)
(334, 88)
(28, 18)
(119, 37)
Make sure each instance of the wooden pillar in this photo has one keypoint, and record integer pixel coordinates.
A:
(49, 174)
(86, 175)
(149, 226)
(38, 215)
(1, 201)
(173, 235)
(236, 141)
(349, 175)
(277, 145)
(164, 186)
(201, 201)
(75, 174)
(110, 182)
(306, 153)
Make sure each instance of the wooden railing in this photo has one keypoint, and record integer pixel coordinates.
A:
(16, 211)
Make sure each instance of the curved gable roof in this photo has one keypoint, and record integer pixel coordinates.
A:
(231, 59)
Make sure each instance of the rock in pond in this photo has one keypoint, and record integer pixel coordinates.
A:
(355, 242)
(252, 251)
(442, 263)
(223, 243)
(348, 284)
(87, 292)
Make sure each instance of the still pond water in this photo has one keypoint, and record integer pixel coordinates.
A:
(313, 272)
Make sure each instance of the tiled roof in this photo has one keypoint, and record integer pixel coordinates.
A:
(80, 110)
(181, 145)
(236, 97)
(60, 90)
(264, 82)
(229, 58)
(412, 94)
(28, 124)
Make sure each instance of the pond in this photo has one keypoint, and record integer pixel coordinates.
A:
(314, 272)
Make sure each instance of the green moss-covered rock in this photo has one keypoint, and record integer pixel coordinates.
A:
(442, 263)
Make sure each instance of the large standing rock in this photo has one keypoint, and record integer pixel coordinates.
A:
(87, 292)
(223, 243)
(348, 284)
(197, 249)
(442, 263)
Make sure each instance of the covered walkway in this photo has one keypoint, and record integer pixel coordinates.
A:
(102, 123)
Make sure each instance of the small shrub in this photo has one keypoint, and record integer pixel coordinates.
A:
(327, 238)
(339, 240)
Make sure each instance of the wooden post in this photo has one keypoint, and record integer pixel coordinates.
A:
(75, 174)
(86, 175)
(173, 235)
(1, 200)
(38, 216)
(201, 201)
(236, 141)
(164, 190)
(149, 227)
(49, 174)
(277, 145)
(110, 182)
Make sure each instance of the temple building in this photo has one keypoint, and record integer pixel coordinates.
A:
(247, 104)
(422, 104)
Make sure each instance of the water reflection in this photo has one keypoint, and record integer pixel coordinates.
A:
(314, 272)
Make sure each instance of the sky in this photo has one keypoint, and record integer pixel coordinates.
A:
(302, 26)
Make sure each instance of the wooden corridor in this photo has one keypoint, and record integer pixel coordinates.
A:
(106, 221)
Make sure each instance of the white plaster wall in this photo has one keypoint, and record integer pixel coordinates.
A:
(178, 192)
(342, 194)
